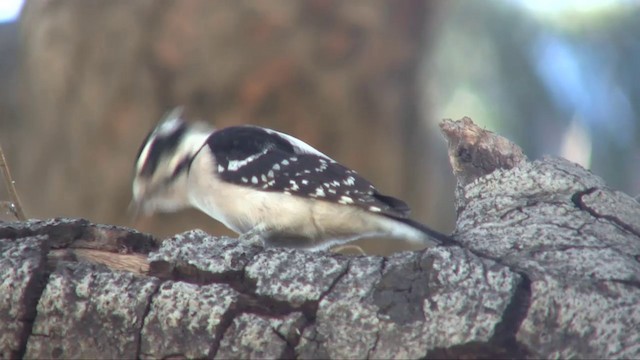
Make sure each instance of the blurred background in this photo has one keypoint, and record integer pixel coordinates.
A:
(365, 82)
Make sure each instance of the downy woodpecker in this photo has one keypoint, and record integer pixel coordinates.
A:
(259, 181)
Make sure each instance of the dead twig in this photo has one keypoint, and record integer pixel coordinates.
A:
(15, 200)
(9, 207)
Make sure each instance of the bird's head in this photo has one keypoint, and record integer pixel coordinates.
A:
(162, 164)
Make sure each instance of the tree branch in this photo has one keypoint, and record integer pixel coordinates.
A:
(547, 267)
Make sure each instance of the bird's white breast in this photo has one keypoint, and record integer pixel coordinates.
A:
(242, 208)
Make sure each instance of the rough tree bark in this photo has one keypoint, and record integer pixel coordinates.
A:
(548, 265)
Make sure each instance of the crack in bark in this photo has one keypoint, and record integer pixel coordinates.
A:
(580, 204)
(252, 303)
(504, 333)
(375, 345)
(299, 333)
(519, 209)
(289, 352)
(504, 337)
(312, 313)
(561, 248)
(503, 343)
(225, 323)
(633, 283)
(315, 304)
(249, 302)
(33, 292)
(145, 314)
(174, 356)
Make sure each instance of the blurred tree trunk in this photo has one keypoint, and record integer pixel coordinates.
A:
(99, 74)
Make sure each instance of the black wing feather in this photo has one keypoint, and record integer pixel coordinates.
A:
(240, 142)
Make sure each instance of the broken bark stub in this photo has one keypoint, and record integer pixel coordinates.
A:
(575, 239)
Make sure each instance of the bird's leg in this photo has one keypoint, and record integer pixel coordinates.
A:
(256, 237)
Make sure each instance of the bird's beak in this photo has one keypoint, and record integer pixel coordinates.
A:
(136, 208)
(135, 211)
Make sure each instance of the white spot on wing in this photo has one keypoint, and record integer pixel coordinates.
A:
(345, 200)
(320, 192)
(350, 181)
(254, 180)
(245, 180)
(270, 173)
(374, 209)
(220, 168)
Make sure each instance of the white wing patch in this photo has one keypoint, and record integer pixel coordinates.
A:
(234, 165)
(300, 146)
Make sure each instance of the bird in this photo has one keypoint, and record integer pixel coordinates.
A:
(265, 184)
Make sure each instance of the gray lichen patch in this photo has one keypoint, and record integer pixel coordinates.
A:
(552, 181)
(586, 263)
(184, 319)
(21, 283)
(252, 336)
(605, 204)
(91, 303)
(578, 243)
(214, 255)
(410, 303)
(464, 283)
(358, 282)
(294, 276)
(342, 330)
(544, 218)
(595, 320)
(550, 177)
(450, 281)
(345, 326)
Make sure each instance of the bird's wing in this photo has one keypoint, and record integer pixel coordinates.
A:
(264, 160)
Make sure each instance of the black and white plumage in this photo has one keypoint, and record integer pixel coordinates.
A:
(260, 181)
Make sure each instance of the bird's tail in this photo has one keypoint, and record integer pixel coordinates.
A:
(431, 235)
